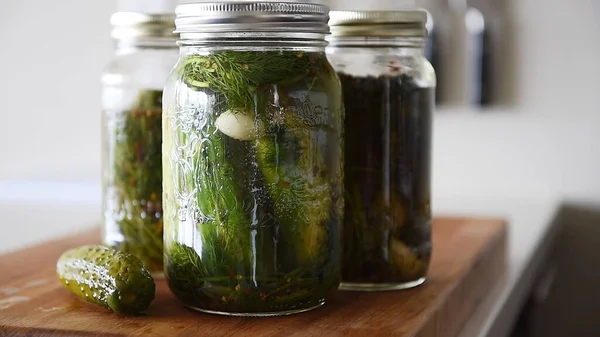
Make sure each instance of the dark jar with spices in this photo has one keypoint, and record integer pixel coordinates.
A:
(131, 136)
(252, 154)
(389, 92)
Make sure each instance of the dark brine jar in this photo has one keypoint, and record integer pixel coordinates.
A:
(131, 135)
(253, 160)
(389, 90)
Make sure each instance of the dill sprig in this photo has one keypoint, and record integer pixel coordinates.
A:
(238, 75)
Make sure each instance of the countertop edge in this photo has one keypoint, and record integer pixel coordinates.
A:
(497, 315)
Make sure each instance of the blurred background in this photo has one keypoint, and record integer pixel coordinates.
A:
(518, 110)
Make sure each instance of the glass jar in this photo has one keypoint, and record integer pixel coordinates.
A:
(132, 116)
(389, 91)
(252, 160)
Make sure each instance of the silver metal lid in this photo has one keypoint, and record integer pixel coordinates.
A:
(226, 19)
(405, 23)
(134, 25)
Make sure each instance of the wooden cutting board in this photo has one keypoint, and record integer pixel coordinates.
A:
(468, 259)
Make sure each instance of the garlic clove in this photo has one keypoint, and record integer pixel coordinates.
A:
(237, 125)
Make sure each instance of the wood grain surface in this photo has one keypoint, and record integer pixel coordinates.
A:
(468, 259)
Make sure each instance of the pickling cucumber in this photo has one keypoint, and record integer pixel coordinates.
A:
(101, 275)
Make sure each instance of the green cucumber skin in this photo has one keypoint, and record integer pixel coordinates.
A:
(104, 276)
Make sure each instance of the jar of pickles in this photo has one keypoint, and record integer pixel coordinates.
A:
(389, 91)
(252, 160)
(131, 139)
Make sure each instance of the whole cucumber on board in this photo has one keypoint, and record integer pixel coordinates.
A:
(101, 275)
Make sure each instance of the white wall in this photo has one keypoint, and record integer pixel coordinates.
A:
(52, 54)
(51, 57)
(551, 144)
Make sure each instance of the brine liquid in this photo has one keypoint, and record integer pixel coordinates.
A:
(387, 227)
